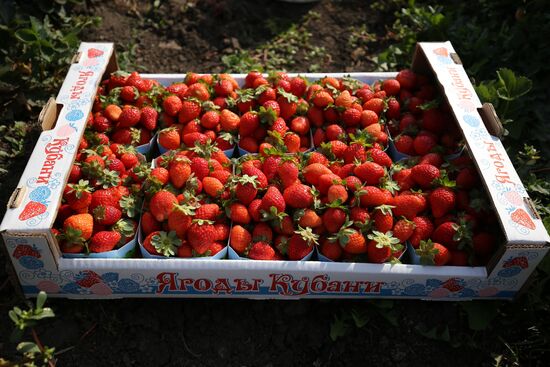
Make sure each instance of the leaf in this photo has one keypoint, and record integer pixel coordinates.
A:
(26, 35)
(480, 314)
(436, 333)
(338, 328)
(41, 299)
(46, 312)
(512, 87)
(360, 318)
(28, 347)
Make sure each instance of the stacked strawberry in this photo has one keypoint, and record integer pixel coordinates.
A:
(102, 197)
(274, 212)
(183, 213)
(450, 219)
(344, 107)
(422, 122)
(127, 108)
(196, 110)
(273, 113)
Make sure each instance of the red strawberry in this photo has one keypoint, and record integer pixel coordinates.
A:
(433, 253)
(179, 172)
(78, 227)
(288, 173)
(161, 204)
(149, 118)
(273, 198)
(383, 218)
(106, 215)
(261, 251)
(149, 223)
(260, 176)
(238, 213)
(333, 219)
(169, 138)
(240, 239)
(351, 240)
(449, 234)
(424, 174)
(262, 232)
(403, 229)
(423, 229)
(200, 167)
(301, 243)
(245, 190)
(381, 246)
(404, 144)
(380, 157)
(369, 172)
(331, 250)
(172, 105)
(423, 144)
(104, 197)
(371, 196)
(200, 235)
(32, 209)
(298, 196)
(179, 219)
(442, 200)
(189, 110)
(209, 212)
(129, 117)
(406, 205)
(484, 243)
(104, 241)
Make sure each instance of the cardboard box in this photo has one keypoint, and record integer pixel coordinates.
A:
(39, 265)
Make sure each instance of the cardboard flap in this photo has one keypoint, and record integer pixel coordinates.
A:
(519, 221)
(38, 194)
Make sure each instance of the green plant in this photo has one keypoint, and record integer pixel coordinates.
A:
(33, 352)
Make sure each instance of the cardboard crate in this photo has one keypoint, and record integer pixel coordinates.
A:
(39, 265)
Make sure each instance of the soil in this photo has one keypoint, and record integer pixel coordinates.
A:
(213, 332)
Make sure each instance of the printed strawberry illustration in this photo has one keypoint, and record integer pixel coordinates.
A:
(522, 218)
(453, 285)
(441, 51)
(87, 278)
(520, 261)
(513, 198)
(32, 209)
(94, 52)
(25, 250)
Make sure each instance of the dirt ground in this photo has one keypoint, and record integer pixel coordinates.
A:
(178, 37)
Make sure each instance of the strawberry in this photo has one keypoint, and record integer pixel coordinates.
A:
(337, 193)
(149, 223)
(104, 197)
(240, 239)
(260, 177)
(273, 198)
(331, 250)
(383, 218)
(209, 212)
(301, 243)
(179, 172)
(238, 213)
(129, 117)
(79, 196)
(369, 172)
(351, 117)
(201, 234)
(423, 229)
(149, 118)
(163, 243)
(314, 171)
(450, 234)
(106, 215)
(406, 79)
(467, 178)
(381, 246)
(104, 241)
(161, 204)
(172, 105)
(333, 219)
(169, 138)
(351, 240)
(404, 144)
(521, 217)
(406, 205)
(424, 175)
(322, 99)
(433, 253)
(25, 250)
(160, 174)
(212, 186)
(229, 121)
(309, 218)
(78, 228)
(298, 196)
(245, 190)
(458, 258)
(442, 200)
(262, 232)
(370, 196)
(423, 144)
(261, 251)
(403, 229)
(484, 243)
(180, 218)
(189, 110)
(288, 173)
(200, 167)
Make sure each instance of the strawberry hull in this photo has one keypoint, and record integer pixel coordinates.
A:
(39, 264)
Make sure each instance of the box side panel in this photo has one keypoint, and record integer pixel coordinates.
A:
(520, 223)
(42, 181)
(516, 265)
(33, 262)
